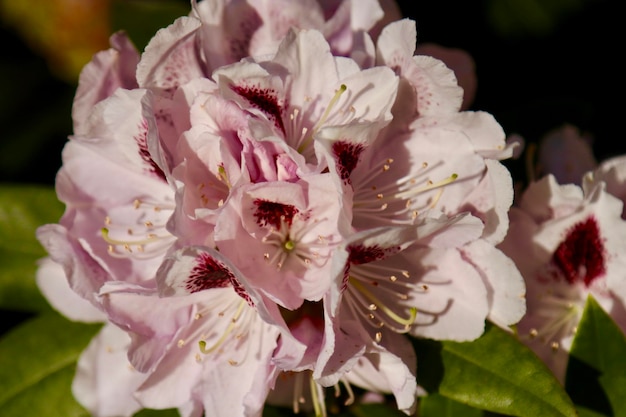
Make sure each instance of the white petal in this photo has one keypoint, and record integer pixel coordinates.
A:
(105, 381)
(505, 285)
(53, 284)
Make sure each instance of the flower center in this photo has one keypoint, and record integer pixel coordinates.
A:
(377, 292)
(287, 229)
(580, 257)
(559, 315)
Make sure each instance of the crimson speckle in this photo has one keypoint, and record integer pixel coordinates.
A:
(265, 100)
(361, 254)
(347, 155)
(581, 254)
(142, 143)
(249, 22)
(273, 214)
(208, 273)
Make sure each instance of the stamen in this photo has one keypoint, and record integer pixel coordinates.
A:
(223, 176)
(405, 321)
(560, 317)
(317, 398)
(227, 332)
(298, 398)
(430, 186)
(307, 141)
(151, 238)
(351, 397)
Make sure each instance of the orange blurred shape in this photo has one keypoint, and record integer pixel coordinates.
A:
(65, 32)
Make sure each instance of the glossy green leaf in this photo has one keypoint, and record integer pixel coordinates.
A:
(22, 210)
(596, 370)
(495, 372)
(435, 405)
(614, 384)
(37, 362)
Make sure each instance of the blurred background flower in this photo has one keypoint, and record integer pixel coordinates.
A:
(64, 32)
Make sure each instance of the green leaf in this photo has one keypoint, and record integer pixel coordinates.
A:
(596, 370)
(37, 362)
(435, 405)
(585, 412)
(141, 19)
(22, 210)
(614, 384)
(496, 372)
(172, 412)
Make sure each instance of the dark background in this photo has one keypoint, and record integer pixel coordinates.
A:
(538, 69)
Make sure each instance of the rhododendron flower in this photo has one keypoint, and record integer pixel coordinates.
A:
(568, 244)
(269, 196)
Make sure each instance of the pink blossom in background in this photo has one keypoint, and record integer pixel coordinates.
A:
(566, 153)
(567, 242)
(612, 172)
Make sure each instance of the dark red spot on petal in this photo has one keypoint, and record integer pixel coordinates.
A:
(269, 213)
(210, 273)
(362, 255)
(241, 291)
(265, 100)
(347, 155)
(581, 254)
(142, 142)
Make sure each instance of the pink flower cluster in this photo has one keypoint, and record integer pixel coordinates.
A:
(267, 202)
